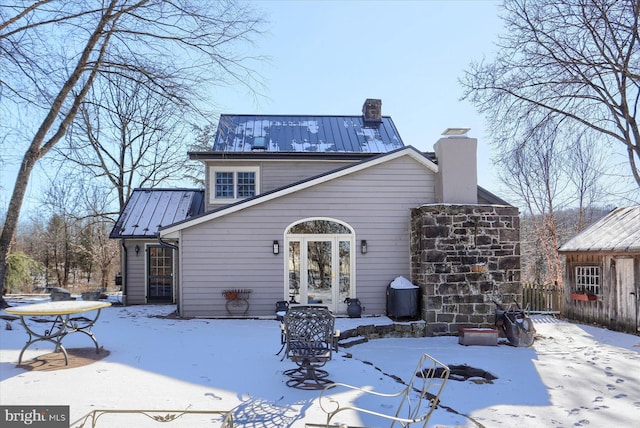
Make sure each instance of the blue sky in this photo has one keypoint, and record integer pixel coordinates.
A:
(327, 57)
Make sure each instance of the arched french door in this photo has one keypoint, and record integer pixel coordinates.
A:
(320, 263)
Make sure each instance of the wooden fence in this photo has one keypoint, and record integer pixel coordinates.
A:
(543, 298)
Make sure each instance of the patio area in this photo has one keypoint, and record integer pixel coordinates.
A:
(573, 375)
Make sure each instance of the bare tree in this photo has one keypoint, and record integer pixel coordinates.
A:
(585, 166)
(551, 171)
(62, 203)
(176, 45)
(534, 171)
(576, 61)
(96, 251)
(128, 135)
(203, 142)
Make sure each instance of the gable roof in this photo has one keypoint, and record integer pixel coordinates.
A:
(147, 210)
(304, 184)
(618, 231)
(298, 133)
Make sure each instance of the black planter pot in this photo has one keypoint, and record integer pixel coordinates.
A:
(354, 307)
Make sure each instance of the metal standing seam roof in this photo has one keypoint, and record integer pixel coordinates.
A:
(296, 133)
(149, 209)
(618, 231)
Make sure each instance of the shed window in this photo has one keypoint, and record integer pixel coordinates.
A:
(588, 279)
(230, 184)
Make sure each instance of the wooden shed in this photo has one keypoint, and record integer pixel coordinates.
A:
(602, 271)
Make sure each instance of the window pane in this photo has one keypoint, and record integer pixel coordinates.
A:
(224, 185)
(588, 279)
(246, 184)
(345, 270)
(319, 272)
(294, 271)
(319, 226)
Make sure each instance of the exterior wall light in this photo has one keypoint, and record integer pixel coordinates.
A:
(363, 246)
(276, 247)
(137, 249)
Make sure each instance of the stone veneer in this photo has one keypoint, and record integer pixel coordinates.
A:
(463, 257)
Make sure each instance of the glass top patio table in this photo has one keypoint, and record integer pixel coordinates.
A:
(61, 325)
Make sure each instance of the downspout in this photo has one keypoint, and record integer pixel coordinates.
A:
(166, 244)
(125, 273)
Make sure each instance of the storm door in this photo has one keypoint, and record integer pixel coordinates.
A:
(320, 264)
(159, 274)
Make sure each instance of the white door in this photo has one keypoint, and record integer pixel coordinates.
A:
(320, 269)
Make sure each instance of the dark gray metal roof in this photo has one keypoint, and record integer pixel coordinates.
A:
(294, 133)
(149, 209)
(618, 231)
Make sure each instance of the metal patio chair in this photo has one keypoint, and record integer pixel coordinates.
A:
(309, 342)
(417, 400)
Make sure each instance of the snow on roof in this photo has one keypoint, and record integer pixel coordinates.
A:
(149, 209)
(618, 231)
(293, 133)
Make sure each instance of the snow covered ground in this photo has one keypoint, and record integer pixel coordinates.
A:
(573, 375)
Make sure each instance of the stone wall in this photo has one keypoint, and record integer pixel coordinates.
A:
(463, 258)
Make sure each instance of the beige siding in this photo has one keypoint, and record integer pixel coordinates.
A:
(280, 174)
(273, 174)
(234, 251)
(135, 280)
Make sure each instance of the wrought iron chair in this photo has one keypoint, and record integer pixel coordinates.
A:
(115, 417)
(417, 400)
(309, 342)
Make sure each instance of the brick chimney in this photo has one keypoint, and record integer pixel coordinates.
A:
(457, 178)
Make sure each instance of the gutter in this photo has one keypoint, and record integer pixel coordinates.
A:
(166, 244)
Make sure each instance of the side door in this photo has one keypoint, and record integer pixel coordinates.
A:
(159, 274)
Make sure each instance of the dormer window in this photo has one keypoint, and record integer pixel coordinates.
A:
(231, 184)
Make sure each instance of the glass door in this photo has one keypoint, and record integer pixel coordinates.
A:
(320, 272)
(159, 274)
(320, 263)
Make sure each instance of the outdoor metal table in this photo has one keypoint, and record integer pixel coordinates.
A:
(62, 325)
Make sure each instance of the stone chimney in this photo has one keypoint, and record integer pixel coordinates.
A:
(457, 178)
(372, 110)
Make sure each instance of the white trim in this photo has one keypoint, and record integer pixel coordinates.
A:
(169, 232)
(591, 276)
(303, 220)
(337, 305)
(174, 267)
(235, 170)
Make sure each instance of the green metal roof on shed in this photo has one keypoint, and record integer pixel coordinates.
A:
(618, 231)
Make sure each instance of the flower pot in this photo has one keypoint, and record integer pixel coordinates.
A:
(584, 297)
(230, 295)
